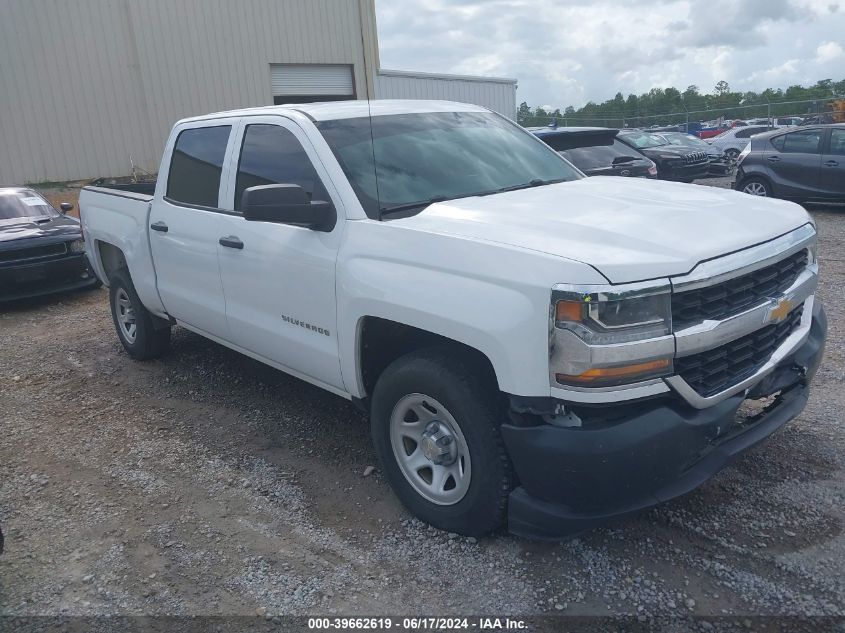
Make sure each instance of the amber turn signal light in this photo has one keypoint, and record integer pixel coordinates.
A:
(569, 311)
(617, 375)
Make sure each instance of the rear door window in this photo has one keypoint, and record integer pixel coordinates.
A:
(196, 166)
(803, 142)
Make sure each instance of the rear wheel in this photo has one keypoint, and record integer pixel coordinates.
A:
(134, 324)
(435, 428)
(757, 187)
(732, 153)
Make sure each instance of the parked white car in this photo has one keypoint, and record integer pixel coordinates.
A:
(532, 346)
(733, 141)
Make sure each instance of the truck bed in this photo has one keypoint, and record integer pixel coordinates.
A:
(118, 219)
(145, 187)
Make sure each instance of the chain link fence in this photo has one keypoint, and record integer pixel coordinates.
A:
(830, 110)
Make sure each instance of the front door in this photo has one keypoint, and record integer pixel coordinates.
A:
(185, 224)
(832, 178)
(278, 279)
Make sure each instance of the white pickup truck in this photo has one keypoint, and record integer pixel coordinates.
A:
(535, 348)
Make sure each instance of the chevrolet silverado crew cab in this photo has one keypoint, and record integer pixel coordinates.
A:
(534, 348)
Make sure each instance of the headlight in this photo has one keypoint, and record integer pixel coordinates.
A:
(605, 318)
(77, 246)
(611, 335)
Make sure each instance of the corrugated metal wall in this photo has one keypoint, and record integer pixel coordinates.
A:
(85, 85)
(497, 94)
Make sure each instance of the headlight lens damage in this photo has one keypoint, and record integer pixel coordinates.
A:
(613, 316)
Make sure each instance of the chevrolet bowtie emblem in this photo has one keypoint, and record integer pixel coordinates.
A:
(780, 310)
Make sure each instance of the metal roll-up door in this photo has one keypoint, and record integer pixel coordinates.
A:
(306, 80)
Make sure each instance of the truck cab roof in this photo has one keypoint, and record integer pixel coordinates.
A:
(333, 110)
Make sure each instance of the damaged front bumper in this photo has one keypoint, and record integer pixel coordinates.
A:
(573, 479)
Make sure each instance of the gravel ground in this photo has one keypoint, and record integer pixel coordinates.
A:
(207, 483)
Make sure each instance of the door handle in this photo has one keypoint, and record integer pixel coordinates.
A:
(774, 159)
(159, 226)
(832, 163)
(231, 241)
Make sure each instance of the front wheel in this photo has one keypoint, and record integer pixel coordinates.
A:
(435, 428)
(757, 187)
(133, 322)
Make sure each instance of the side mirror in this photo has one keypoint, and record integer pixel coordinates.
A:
(287, 204)
(65, 207)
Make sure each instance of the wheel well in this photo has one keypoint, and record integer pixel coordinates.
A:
(111, 257)
(382, 341)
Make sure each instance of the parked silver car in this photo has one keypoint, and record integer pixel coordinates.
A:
(731, 142)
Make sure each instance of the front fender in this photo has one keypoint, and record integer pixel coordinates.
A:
(491, 297)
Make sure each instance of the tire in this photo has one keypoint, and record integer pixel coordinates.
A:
(431, 400)
(756, 187)
(732, 153)
(143, 341)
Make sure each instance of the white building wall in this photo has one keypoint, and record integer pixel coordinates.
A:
(498, 94)
(85, 85)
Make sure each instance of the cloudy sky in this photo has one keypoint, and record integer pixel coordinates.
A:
(566, 53)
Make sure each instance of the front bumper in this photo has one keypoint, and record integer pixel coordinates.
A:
(722, 167)
(34, 279)
(573, 479)
(683, 171)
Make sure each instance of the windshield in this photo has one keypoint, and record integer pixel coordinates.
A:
(24, 204)
(645, 139)
(685, 139)
(427, 157)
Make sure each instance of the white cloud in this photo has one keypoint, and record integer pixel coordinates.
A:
(827, 52)
(566, 53)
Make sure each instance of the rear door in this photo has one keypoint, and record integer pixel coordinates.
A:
(793, 161)
(279, 279)
(832, 171)
(185, 224)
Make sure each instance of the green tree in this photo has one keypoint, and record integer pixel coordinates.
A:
(668, 105)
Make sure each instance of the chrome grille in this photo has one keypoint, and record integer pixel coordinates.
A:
(33, 252)
(718, 369)
(731, 297)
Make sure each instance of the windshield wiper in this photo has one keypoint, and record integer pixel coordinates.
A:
(396, 208)
(623, 159)
(526, 185)
(424, 203)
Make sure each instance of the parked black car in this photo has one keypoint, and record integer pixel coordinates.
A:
(673, 162)
(41, 249)
(596, 151)
(805, 164)
(720, 163)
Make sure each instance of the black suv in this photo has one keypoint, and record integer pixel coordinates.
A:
(805, 164)
(720, 163)
(596, 151)
(673, 162)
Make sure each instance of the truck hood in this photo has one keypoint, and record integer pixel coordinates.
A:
(628, 229)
